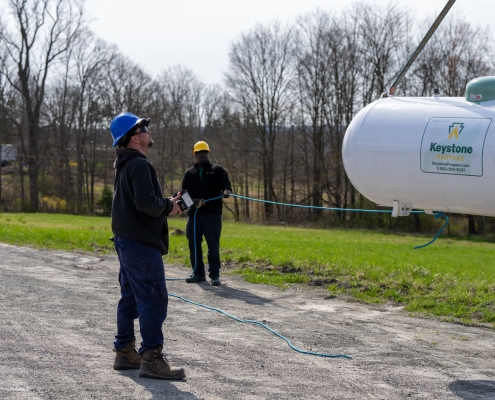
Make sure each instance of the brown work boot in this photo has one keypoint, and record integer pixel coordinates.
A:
(127, 358)
(155, 365)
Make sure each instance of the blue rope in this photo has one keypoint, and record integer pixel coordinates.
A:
(320, 208)
(247, 321)
(243, 320)
(353, 210)
(437, 215)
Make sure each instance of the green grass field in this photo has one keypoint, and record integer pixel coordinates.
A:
(452, 279)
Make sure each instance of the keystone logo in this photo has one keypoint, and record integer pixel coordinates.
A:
(455, 130)
(475, 96)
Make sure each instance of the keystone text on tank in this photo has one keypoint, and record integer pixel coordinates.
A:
(437, 148)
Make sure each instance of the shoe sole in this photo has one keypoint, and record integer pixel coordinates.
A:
(153, 376)
(126, 366)
(196, 280)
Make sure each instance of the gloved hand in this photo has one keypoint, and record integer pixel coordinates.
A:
(198, 202)
(226, 193)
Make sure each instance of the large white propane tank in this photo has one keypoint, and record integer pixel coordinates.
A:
(432, 154)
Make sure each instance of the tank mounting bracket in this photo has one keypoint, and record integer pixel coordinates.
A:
(400, 210)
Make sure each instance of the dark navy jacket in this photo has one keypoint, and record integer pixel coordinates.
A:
(139, 210)
(212, 183)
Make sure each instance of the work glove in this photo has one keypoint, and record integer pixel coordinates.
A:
(226, 193)
(198, 202)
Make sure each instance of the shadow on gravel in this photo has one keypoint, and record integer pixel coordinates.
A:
(230, 293)
(475, 389)
(159, 388)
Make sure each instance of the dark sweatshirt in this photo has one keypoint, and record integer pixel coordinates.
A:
(139, 210)
(213, 181)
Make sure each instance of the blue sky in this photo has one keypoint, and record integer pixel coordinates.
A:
(197, 33)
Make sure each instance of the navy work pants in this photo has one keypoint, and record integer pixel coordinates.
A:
(209, 226)
(143, 294)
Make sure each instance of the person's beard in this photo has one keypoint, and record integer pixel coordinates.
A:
(150, 143)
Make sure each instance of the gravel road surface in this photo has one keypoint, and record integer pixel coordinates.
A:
(57, 315)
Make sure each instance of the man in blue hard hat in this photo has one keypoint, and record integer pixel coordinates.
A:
(139, 225)
(205, 181)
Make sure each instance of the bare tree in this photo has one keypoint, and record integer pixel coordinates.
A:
(384, 36)
(347, 62)
(45, 30)
(232, 145)
(456, 54)
(92, 60)
(5, 123)
(128, 85)
(60, 109)
(260, 76)
(314, 83)
(328, 67)
(182, 117)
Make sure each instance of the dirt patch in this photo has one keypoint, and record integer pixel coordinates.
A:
(58, 321)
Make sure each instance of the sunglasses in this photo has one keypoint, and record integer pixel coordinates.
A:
(143, 129)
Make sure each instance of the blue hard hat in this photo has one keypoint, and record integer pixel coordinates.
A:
(124, 123)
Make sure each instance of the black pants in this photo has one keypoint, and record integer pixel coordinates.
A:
(209, 226)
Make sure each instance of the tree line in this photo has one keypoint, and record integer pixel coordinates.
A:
(276, 123)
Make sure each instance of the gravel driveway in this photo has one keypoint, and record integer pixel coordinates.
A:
(58, 321)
